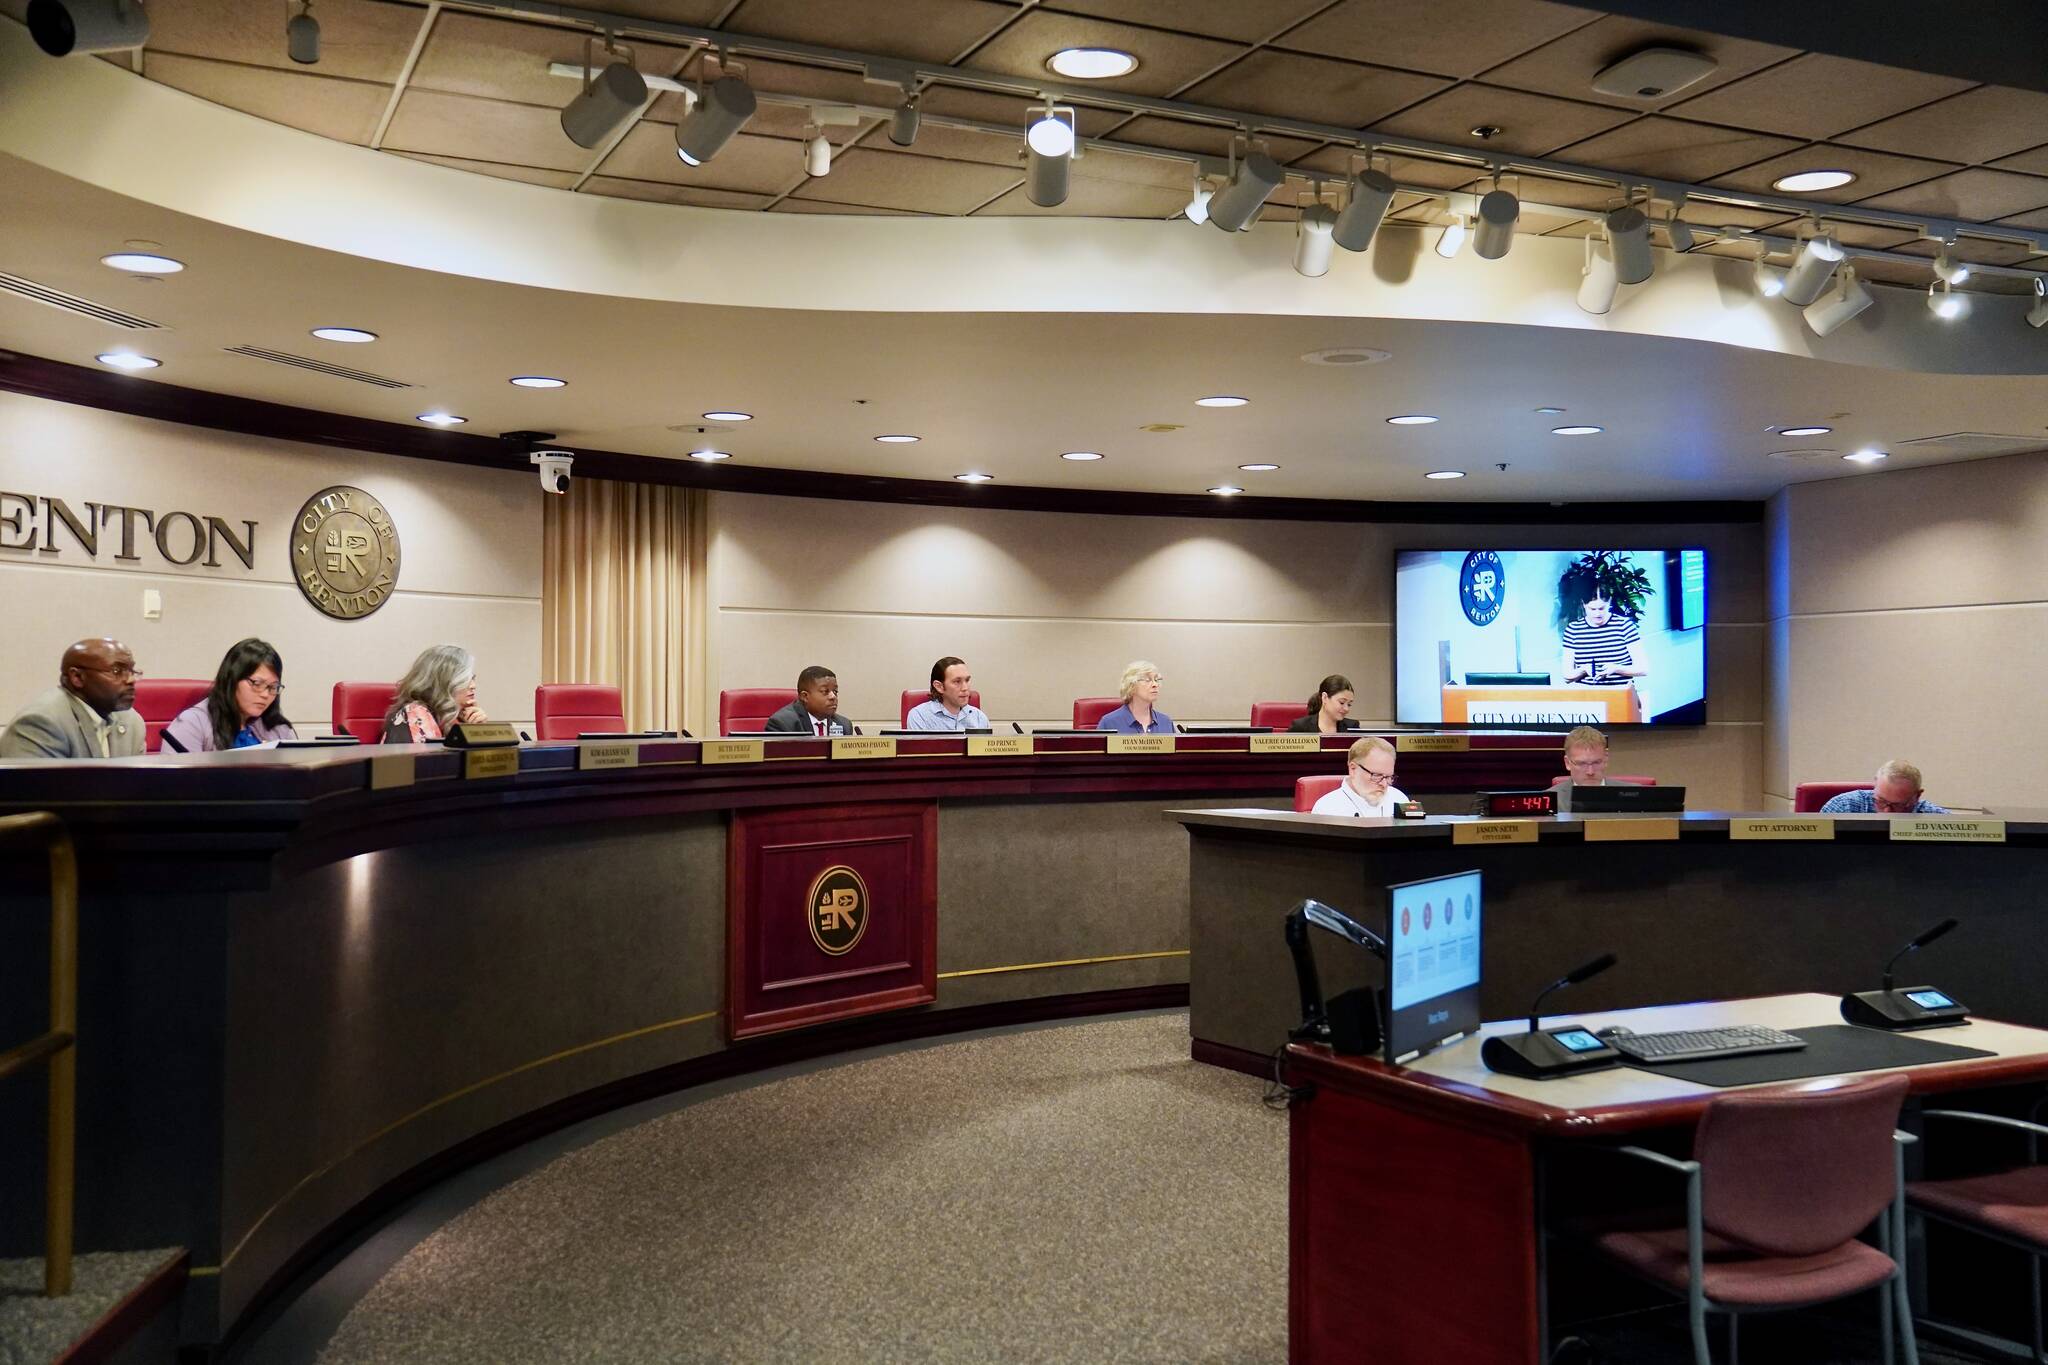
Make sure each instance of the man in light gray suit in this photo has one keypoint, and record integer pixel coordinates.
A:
(89, 714)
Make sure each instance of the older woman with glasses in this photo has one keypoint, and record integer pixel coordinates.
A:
(1368, 787)
(438, 691)
(245, 706)
(1140, 713)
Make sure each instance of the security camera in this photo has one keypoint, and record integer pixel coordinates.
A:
(554, 469)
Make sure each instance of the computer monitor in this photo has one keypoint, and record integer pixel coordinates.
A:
(1433, 958)
(1610, 797)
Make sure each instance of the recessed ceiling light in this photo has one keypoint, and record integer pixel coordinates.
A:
(1081, 456)
(728, 416)
(1415, 419)
(709, 455)
(1865, 456)
(127, 360)
(1576, 431)
(442, 419)
(1258, 468)
(1807, 182)
(1348, 355)
(1550, 412)
(896, 440)
(974, 478)
(1221, 401)
(1804, 431)
(142, 263)
(1091, 63)
(538, 381)
(1445, 474)
(350, 334)
(1226, 489)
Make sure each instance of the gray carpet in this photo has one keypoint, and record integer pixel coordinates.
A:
(34, 1329)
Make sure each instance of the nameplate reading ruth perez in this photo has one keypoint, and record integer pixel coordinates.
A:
(1946, 829)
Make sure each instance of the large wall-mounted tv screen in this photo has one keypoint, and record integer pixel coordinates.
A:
(1538, 638)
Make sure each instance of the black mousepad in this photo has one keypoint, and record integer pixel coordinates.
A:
(1830, 1049)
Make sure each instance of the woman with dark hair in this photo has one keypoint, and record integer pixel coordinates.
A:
(1329, 710)
(245, 706)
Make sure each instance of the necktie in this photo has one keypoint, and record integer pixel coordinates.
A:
(821, 727)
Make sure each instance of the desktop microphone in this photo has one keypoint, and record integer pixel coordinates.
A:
(1541, 1054)
(1915, 1007)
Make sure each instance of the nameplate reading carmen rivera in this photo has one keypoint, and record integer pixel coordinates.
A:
(1810, 828)
(345, 553)
(1432, 744)
(998, 746)
(1494, 832)
(607, 756)
(1286, 744)
(1141, 744)
(1946, 829)
(864, 746)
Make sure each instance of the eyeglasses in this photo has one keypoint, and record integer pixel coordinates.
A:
(1586, 762)
(1896, 807)
(1377, 777)
(1151, 677)
(263, 689)
(118, 672)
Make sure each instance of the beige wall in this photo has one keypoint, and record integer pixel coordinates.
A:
(1046, 607)
(1909, 619)
(469, 538)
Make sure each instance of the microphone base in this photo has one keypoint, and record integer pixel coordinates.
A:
(1540, 1056)
(1898, 1012)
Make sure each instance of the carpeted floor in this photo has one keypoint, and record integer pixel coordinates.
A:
(34, 1329)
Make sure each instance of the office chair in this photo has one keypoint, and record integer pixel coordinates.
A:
(2008, 1206)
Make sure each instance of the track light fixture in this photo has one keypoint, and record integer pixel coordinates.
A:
(1947, 268)
(1597, 288)
(1372, 192)
(1451, 240)
(1770, 279)
(721, 110)
(1048, 154)
(2037, 316)
(302, 36)
(62, 27)
(1945, 303)
(1498, 211)
(1313, 246)
(1628, 242)
(1197, 210)
(1679, 231)
(1233, 207)
(903, 123)
(817, 155)
(607, 101)
(1847, 299)
(1811, 270)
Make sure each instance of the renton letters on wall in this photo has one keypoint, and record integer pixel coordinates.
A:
(30, 521)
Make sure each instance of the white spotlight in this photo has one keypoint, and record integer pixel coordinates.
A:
(1596, 290)
(1371, 194)
(723, 110)
(608, 99)
(1847, 300)
(1233, 207)
(302, 36)
(1770, 279)
(1197, 210)
(62, 27)
(1945, 302)
(1498, 211)
(1049, 151)
(1628, 241)
(1950, 270)
(1680, 232)
(1816, 262)
(1452, 239)
(1312, 242)
(903, 123)
(2037, 316)
(817, 156)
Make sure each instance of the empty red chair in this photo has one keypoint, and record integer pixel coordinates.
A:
(159, 700)
(1276, 715)
(1811, 796)
(1309, 790)
(742, 710)
(914, 699)
(2008, 1205)
(566, 710)
(1089, 710)
(359, 709)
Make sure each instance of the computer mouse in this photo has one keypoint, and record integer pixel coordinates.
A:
(1613, 1031)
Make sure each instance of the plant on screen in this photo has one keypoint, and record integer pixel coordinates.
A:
(1602, 573)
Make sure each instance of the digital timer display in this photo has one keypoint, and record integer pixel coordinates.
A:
(1520, 803)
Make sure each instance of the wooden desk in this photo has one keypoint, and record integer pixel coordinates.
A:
(1412, 1196)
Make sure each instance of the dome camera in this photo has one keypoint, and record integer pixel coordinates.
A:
(554, 469)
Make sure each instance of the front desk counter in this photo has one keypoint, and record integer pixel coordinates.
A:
(312, 979)
(1704, 916)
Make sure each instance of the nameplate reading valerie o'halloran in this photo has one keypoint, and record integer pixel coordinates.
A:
(1286, 744)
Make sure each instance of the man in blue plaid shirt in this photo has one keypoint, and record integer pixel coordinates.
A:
(1897, 793)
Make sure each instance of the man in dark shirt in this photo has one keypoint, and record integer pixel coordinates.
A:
(816, 708)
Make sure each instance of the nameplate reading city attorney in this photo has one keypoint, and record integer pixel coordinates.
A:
(863, 746)
(1141, 744)
(1747, 828)
(1627, 829)
(490, 762)
(1494, 832)
(1286, 744)
(1946, 829)
(1432, 744)
(730, 751)
(998, 746)
(607, 756)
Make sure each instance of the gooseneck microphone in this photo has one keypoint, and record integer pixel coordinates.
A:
(1543, 1054)
(1926, 937)
(1915, 1007)
(1584, 972)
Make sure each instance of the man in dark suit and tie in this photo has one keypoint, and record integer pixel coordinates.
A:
(816, 708)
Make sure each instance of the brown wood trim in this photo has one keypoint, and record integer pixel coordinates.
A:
(1231, 1058)
(41, 378)
(119, 1324)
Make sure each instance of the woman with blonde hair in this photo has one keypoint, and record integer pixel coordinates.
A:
(1140, 714)
(438, 691)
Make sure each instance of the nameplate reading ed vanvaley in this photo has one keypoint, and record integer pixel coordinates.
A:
(1946, 829)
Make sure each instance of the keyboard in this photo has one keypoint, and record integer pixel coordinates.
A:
(1693, 1045)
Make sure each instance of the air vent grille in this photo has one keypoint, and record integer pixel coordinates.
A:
(1971, 444)
(318, 366)
(71, 303)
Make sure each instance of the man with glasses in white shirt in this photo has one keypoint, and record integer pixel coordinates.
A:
(1368, 787)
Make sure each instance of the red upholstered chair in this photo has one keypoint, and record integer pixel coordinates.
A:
(913, 699)
(359, 709)
(566, 710)
(2008, 1206)
(1276, 715)
(159, 700)
(1811, 796)
(1637, 779)
(1089, 710)
(745, 709)
(1780, 1187)
(1309, 790)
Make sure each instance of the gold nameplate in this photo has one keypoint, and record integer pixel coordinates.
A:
(730, 751)
(1141, 744)
(1494, 832)
(490, 762)
(1432, 744)
(1823, 828)
(390, 770)
(998, 746)
(1946, 829)
(1630, 829)
(607, 756)
(862, 746)
(481, 734)
(1286, 744)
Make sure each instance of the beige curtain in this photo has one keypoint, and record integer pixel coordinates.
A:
(622, 596)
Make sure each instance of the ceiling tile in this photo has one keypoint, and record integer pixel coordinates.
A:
(787, 78)
(359, 40)
(1438, 175)
(697, 13)
(1976, 126)
(483, 130)
(1706, 213)
(1427, 35)
(1093, 198)
(917, 30)
(1227, 19)
(1975, 250)
(748, 164)
(1975, 195)
(654, 192)
(1871, 235)
(344, 110)
(1817, 96)
(828, 207)
(2036, 219)
(2034, 162)
(1206, 138)
(954, 144)
(1574, 194)
(472, 54)
(1102, 164)
(1672, 149)
(922, 183)
(1166, 61)
(1530, 125)
(1876, 172)
(1876, 271)
(1567, 66)
(1316, 89)
(1009, 111)
(531, 175)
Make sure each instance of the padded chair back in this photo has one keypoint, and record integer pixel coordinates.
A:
(1089, 710)
(915, 699)
(159, 700)
(1811, 796)
(1798, 1173)
(1309, 790)
(1634, 779)
(748, 708)
(359, 709)
(1276, 715)
(566, 710)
